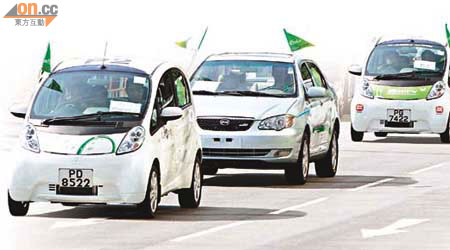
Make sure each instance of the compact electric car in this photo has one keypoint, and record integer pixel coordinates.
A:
(107, 132)
(404, 89)
(266, 111)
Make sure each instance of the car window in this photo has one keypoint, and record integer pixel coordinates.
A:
(164, 98)
(306, 76)
(182, 91)
(317, 77)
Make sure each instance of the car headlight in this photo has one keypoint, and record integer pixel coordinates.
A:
(132, 141)
(436, 91)
(29, 139)
(277, 122)
(366, 90)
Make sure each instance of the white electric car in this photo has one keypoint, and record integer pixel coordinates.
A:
(108, 132)
(404, 89)
(266, 111)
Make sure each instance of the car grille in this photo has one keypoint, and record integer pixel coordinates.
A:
(232, 152)
(225, 124)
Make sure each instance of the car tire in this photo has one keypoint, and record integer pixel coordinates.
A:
(445, 137)
(209, 170)
(327, 167)
(381, 134)
(191, 197)
(298, 173)
(356, 135)
(17, 208)
(152, 196)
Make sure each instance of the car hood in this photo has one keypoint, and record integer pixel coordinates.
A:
(79, 144)
(242, 106)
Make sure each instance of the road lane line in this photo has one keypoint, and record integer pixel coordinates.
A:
(370, 184)
(427, 168)
(239, 223)
(76, 223)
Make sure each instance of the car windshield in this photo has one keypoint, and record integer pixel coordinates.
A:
(256, 78)
(400, 59)
(69, 94)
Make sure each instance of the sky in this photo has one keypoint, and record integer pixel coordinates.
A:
(342, 32)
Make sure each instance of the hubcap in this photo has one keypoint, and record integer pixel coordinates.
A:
(305, 160)
(334, 153)
(153, 192)
(197, 182)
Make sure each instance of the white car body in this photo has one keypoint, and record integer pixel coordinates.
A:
(173, 148)
(424, 116)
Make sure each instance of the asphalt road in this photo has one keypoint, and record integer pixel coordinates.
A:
(390, 193)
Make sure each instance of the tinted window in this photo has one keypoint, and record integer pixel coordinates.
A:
(306, 76)
(182, 90)
(317, 77)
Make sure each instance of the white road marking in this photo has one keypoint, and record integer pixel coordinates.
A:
(427, 168)
(370, 184)
(239, 223)
(75, 223)
(394, 228)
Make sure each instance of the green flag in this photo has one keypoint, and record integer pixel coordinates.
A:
(203, 38)
(46, 64)
(183, 44)
(448, 34)
(296, 43)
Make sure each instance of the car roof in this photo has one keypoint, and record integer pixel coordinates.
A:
(410, 41)
(254, 56)
(138, 66)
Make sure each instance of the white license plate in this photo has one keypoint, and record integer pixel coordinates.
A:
(80, 178)
(399, 115)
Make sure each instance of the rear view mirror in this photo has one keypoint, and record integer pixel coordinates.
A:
(18, 110)
(355, 70)
(316, 92)
(171, 113)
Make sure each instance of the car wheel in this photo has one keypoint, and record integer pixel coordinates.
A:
(445, 137)
(209, 169)
(152, 196)
(327, 167)
(381, 134)
(298, 173)
(190, 198)
(356, 135)
(17, 208)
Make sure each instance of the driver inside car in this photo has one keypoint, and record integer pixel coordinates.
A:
(283, 81)
(392, 63)
(72, 102)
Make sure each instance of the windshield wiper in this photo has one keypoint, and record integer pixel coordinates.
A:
(99, 115)
(205, 79)
(405, 75)
(249, 93)
(204, 92)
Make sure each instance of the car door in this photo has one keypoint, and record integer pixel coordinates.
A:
(314, 107)
(184, 138)
(324, 127)
(164, 132)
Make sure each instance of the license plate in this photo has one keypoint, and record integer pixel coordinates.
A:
(399, 115)
(77, 178)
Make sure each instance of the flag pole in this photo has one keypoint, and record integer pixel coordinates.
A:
(194, 55)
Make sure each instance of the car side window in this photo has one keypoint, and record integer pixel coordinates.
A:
(164, 98)
(317, 77)
(181, 88)
(306, 76)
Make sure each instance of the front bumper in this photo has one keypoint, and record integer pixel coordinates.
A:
(267, 146)
(423, 115)
(118, 179)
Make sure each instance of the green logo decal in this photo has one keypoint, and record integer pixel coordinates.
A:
(83, 146)
(401, 93)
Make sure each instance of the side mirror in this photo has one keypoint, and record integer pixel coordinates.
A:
(18, 110)
(171, 113)
(316, 92)
(355, 70)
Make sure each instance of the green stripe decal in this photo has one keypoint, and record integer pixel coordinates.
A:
(401, 93)
(80, 150)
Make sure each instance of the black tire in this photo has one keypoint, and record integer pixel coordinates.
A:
(327, 167)
(381, 134)
(445, 137)
(152, 196)
(298, 173)
(17, 208)
(209, 169)
(356, 135)
(191, 197)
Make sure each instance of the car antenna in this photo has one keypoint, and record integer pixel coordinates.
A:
(104, 56)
